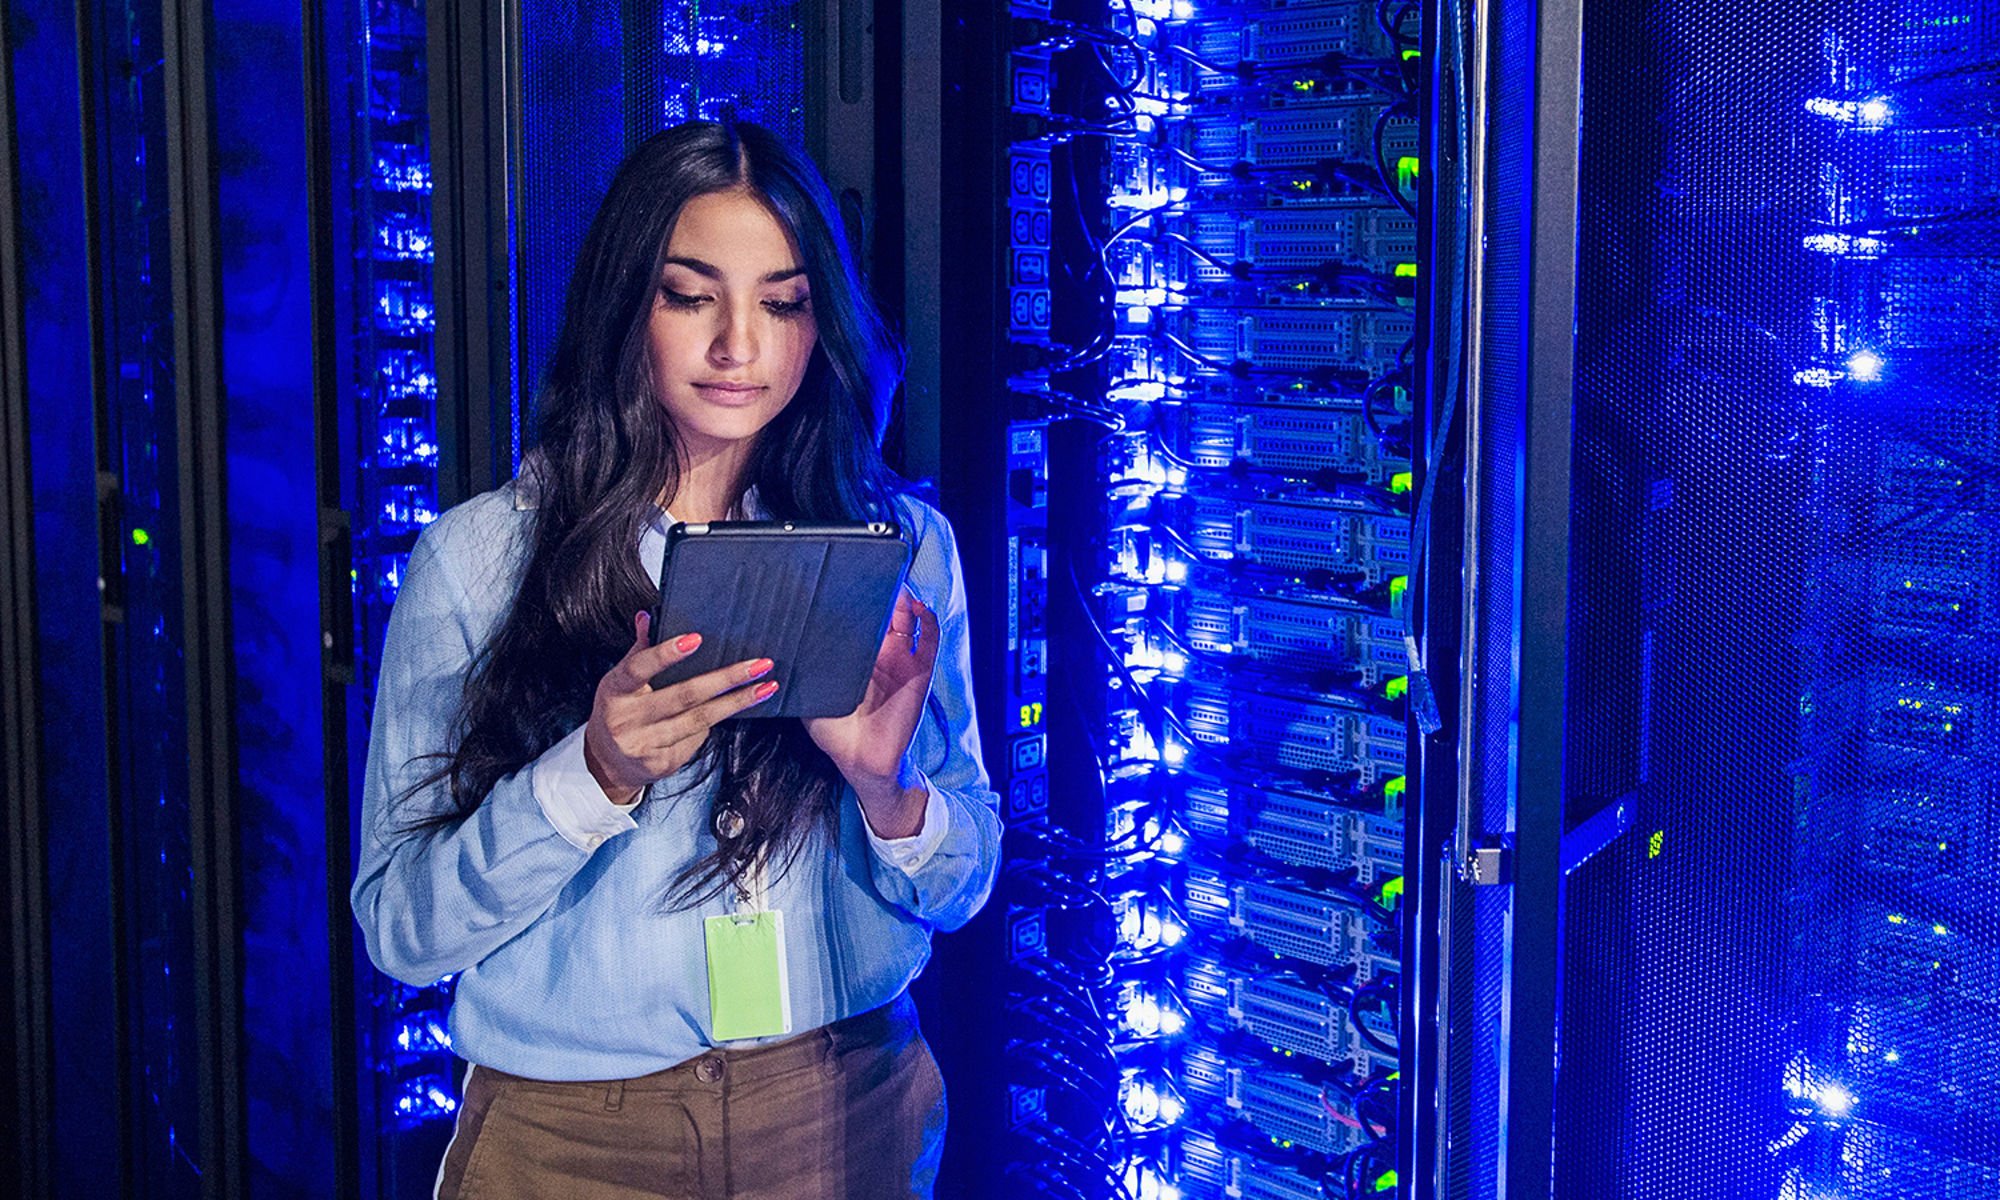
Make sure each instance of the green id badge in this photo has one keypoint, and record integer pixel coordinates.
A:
(748, 996)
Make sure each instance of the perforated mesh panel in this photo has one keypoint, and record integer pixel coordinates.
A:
(595, 79)
(1782, 981)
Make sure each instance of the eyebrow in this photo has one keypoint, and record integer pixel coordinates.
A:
(709, 271)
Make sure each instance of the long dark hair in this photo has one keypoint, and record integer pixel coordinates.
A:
(607, 449)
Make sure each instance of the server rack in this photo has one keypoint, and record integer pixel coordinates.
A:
(181, 829)
(1725, 501)
(1201, 291)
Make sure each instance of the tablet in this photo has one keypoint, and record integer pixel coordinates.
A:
(814, 598)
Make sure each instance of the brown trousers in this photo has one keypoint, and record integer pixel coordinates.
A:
(851, 1110)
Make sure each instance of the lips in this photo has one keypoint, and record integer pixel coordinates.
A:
(729, 393)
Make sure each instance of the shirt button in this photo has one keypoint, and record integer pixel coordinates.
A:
(708, 1070)
(594, 840)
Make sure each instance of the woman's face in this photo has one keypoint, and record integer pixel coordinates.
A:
(732, 324)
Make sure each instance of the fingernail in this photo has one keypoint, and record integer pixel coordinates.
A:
(766, 688)
(761, 667)
(687, 642)
(643, 617)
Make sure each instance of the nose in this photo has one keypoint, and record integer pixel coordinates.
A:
(735, 342)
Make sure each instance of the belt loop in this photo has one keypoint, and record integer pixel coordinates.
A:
(614, 1096)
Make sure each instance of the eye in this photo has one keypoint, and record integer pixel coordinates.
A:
(675, 299)
(789, 308)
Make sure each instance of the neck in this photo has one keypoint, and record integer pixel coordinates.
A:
(710, 485)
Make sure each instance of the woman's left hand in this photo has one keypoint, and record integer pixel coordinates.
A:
(869, 744)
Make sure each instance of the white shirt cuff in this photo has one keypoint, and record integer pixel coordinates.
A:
(911, 853)
(572, 800)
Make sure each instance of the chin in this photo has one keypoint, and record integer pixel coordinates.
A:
(717, 428)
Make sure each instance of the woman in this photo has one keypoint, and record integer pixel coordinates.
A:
(540, 822)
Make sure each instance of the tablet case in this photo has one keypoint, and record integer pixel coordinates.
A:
(815, 598)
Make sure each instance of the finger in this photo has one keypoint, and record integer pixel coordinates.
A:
(689, 694)
(903, 617)
(645, 660)
(620, 678)
(697, 721)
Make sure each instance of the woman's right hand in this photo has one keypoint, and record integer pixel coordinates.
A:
(637, 735)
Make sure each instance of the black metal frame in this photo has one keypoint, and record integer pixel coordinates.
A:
(1535, 987)
(1426, 837)
(110, 587)
(193, 222)
(1533, 854)
(970, 463)
(473, 118)
(910, 119)
(30, 1058)
(840, 109)
(336, 616)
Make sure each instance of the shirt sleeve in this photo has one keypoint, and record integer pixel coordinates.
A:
(911, 853)
(437, 898)
(947, 886)
(573, 801)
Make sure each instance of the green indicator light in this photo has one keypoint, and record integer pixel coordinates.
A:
(1406, 270)
(140, 537)
(1406, 172)
(1397, 586)
(1391, 892)
(1654, 843)
(1397, 688)
(1410, 54)
(1939, 930)
(1385, 1182)
(1401, 481)
(1393, 790)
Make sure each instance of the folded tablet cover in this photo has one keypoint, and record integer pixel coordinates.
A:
(815, 599)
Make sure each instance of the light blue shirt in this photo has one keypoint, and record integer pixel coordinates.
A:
(547, 900)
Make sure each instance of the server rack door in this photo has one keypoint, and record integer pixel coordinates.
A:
(1759, 823)
(68, 1066)
(180, 892)
(285, 871)
(139, 497)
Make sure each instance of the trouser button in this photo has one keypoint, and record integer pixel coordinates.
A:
(708, 1070)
